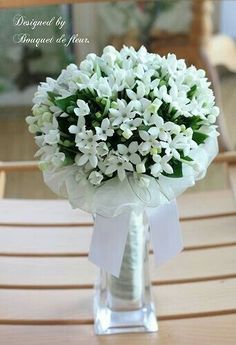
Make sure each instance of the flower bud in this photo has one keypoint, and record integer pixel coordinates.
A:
(46, 116)
(33, 128)
(140, 168)
(30, 120)
(36, 110)
(211, 118)
(127, 133)
(155, 150)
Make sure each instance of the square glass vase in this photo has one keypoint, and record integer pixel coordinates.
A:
(125, 304)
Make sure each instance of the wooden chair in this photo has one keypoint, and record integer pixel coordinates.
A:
(46, 279)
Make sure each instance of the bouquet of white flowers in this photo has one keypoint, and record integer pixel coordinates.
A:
(125, 115)
(123, 132)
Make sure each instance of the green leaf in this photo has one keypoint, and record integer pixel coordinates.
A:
(185, 158)
(199, 137)
(98, 70)
(177, 168)
(107, 107)
(195, 122)
(192, 91)
(52, 96)
(143, 127)
(63, 103)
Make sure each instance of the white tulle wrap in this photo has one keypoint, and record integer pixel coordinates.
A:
(114, 198)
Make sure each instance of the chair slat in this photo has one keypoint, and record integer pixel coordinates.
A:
(75, 241)
(206, 204)
(198, 265)
(215, 330)
(41, 212)
(2, 183)
(75, 306)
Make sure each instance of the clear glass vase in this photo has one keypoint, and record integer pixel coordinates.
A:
(125, 304)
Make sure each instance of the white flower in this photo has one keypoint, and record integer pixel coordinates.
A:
(139, 94)
(122, 113)
(161, 164)
(140, 168)
(215, 111)
(130, 152)
(162, 94)
(86, 138)
(67, 75)
(102, 149)
(51, 155)
(129, 79)
(41, 95)
(89, 154)
(87, 82)
(152, 110)
(87, 66)
(119, 164)
(179, 142)
(129, 126)
(109, 58)
(105, 130)
(52, 135)
(141, 105)
(83, 108)
(149, 140)
(117, 80)
(33, 126)
(95, 178)
(171, 64)
(58, 159)
(103, 88)
(167, 129)
(76, 129)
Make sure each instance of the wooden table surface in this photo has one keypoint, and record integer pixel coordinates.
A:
(46, 280)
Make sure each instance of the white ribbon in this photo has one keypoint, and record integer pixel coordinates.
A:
(110, 234)
(166, 237)
(108, 242)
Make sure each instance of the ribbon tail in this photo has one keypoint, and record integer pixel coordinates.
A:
(108, 242)
(165, 232)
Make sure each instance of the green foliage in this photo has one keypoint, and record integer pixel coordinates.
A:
(195, 122)
(192, 91)
(64, 103)
(199, 137)
(185, 158)
(177, 168)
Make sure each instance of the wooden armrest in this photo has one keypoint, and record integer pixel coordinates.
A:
(2, 183)
(228, 157)
(16, 166)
